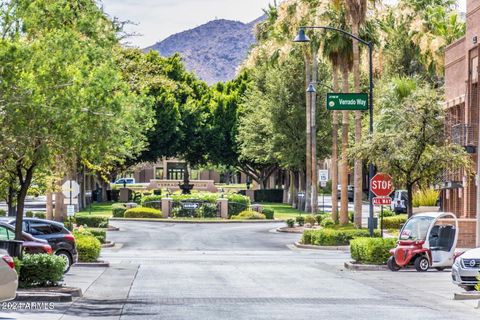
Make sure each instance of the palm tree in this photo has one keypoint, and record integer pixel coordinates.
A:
(357, 10)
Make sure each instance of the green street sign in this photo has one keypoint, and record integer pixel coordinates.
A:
(347, 101)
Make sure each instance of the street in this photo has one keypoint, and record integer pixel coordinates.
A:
(243, 271)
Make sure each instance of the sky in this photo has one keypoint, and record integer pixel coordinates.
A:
(157, 19)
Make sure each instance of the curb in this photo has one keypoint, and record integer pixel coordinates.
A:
(285, 230)
(112, 228)
(467, 296)
(364, 267)
(196, 221)
(332, 248)
(73, 291)
(108, 244)
(100, 264)
(43, 297)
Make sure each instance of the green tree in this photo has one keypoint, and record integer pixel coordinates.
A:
(408, 142)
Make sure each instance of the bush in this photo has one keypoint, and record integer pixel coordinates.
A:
(143, 212)
(268, 195)
(371, 250)
(92, 221)
(39, 215)
(310, 219)
(269, 213)
(88, 247)
(3, 213)
(40, 270)
(477, 287)
(29, 214)
(249, 215)
(427, 197)
(100, 234)
(333, 237)
(327, 222)
(237, 203)
(290, 223)
(394, 222)
(386, 213)
(118, 210)
(152, 201)
(351, 216)
(300, 220)
(208, 210)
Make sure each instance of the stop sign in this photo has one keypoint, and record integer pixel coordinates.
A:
(381, 185)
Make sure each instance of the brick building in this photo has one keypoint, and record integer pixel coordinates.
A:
(462, 121)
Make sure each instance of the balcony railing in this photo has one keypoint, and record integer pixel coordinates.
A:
(463, 135)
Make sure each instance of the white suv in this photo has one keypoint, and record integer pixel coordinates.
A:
(466, 269)
(8, 277)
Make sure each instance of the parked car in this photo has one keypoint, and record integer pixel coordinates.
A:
(125, 181)
(30, 244)
(59, 238)
(8, 277)
(466, 269)
(350, 192)
(399, 201)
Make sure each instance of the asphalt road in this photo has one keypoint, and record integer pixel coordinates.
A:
(244, 271)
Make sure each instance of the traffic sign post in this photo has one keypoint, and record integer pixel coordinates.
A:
(381, 185)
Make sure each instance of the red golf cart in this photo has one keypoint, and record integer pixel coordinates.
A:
(427, 240)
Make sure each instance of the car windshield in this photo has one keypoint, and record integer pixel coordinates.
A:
(416, 228)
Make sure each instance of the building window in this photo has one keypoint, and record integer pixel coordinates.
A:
(159, 173)
(175, 170)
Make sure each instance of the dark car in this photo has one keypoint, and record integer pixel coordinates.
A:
(59, 237)
(30, 244)
(350, 193)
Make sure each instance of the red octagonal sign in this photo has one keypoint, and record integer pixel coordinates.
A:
(381, 185)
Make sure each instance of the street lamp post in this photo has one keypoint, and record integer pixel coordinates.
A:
(302, 37)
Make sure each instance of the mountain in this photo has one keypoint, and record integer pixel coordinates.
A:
(214, 50)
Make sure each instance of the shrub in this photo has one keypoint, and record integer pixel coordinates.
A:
(427, 197)
(290, 223)
(100, 234)
(3, 213)
(92, 221)
(88, 247)
(394, 222)
(477, 287)
(208, 210)
(249, 215)
(351, 216)
(333, 237)
(268, 195)
(371, 250)
(152, 201)
(143, 212)
(39, 215)
(300, 220)
(40, 270)
(327, 222)
(118, 210)
(386, 213)
(29, 214)
(237, 203)
(310, 219)
(269, 213)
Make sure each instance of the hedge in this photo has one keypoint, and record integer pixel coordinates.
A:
(88, 247)
(143, 212)
(3, 213)
(332, 237)
(92, 221)
(118, 210)
(40, 270)
(100, 234)
(371, 250)
(269, 213)
(152, 201)
(394, 222)
(249, 215)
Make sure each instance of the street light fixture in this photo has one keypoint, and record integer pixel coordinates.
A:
(302, 38)
(311, 88)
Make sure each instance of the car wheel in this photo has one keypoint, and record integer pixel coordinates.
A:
(68, 259)
(392, 264)
(421, 264)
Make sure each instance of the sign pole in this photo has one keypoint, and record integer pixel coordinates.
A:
(381, 221)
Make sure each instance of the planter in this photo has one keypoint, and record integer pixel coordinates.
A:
(469, 295)
(352, 265)
(314, 247)
(425, 209)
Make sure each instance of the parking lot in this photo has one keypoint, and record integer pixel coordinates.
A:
(243, 271)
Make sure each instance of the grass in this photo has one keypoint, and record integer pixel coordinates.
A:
(282, 211)
(103, 209)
